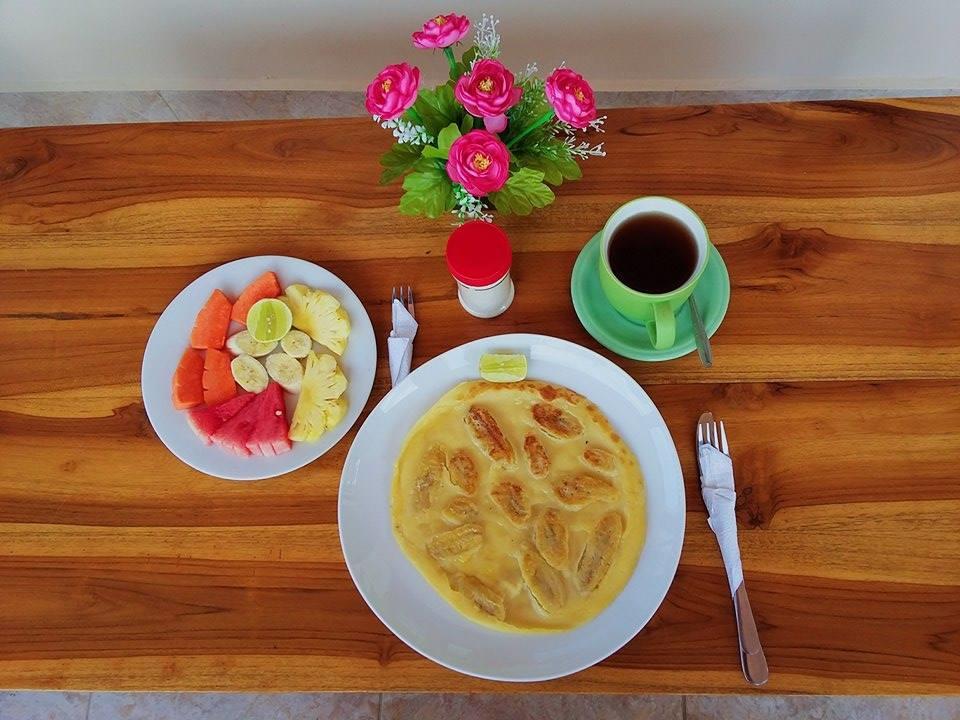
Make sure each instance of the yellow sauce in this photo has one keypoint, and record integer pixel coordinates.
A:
(593, 481)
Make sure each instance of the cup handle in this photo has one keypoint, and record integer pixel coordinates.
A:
(663, 329)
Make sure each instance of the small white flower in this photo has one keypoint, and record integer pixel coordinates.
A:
(469, 207)
(528, 72)
(583, 150)
(407, 132)
(486, 38)
(597, 125)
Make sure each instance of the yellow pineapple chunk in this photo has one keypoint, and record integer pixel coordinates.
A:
(319, 315)
(322, 403)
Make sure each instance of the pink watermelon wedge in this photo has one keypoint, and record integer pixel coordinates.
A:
(232, 435)
(205, 421)
(269, 435)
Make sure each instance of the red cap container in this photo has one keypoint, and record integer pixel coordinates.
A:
(478, 254)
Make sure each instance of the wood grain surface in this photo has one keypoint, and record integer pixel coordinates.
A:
(837, 372)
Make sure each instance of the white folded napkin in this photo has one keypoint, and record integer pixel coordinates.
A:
(400, 342)
(716, 486)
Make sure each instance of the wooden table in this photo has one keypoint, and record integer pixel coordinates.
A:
(836, 370)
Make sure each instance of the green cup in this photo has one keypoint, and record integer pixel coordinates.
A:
(656, 311)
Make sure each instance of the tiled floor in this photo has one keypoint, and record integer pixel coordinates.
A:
(32, 109)
(341, 706)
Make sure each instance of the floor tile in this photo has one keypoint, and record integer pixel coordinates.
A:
(731, 97)
(326, 104)
(408, 706)
(806, 707)
(78, 108)
(266, 105)
(32, 109)
(227, 105)
(43, 705)
(607, 99)
(234, 706)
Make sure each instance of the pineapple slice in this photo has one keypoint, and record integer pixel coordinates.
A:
(322, 403)
(319, 315)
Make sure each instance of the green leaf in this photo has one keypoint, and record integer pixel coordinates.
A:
(427, 192)
(463, 65)
(436, 109)
(397, 161)
(569, 168)
(446, 137)
(546, 166)
(425, 163)
(555, 168)
(466, 125)
(523, 191)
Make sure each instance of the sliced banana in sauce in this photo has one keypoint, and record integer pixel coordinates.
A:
(519, 504)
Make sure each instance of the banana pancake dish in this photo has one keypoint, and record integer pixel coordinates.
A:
(519, 504)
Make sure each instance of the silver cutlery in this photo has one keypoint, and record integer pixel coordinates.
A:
(405, 298)
(724, 524)
(403, 330)
(700, 334)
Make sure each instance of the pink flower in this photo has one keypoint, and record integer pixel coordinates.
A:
(393, 91)
(479, 161)
(488, 91)
(571, 97)
(442, 31)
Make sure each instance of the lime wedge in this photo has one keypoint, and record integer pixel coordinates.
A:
(269, 320)
(502, 368)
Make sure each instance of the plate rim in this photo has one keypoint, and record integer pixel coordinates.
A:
(366, 386)
(674, 560)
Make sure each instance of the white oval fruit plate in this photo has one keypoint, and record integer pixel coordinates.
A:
(409, 606)
(171, 336)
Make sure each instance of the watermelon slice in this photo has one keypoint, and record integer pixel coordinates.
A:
(206, 421)
(265, 286)
(232, 435)
(269, 436)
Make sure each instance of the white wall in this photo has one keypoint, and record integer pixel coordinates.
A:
(337, 44)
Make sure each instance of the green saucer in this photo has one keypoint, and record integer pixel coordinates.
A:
(629, 339)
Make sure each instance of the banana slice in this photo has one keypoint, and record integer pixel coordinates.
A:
(286, 370)
(249, 373)
(243, 344)
(296, 343)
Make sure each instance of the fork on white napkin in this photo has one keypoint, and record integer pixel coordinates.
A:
(716, 487)
(720, 497)
(400, 342)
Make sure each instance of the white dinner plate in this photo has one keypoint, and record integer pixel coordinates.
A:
(409, 606)
(171, 336)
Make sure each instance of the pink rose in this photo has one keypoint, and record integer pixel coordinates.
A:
(488, 91)
(442, 31)
(479, 161)
(393, 91)
(571, 97)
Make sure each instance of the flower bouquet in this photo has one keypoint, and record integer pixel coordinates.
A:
(486, 140)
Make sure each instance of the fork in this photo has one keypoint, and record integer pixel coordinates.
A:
(403, 330)
(405, 299)
(752, 659)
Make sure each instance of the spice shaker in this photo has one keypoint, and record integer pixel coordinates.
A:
(478, 256)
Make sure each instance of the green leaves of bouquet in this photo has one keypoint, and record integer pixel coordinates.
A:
(485, 140)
